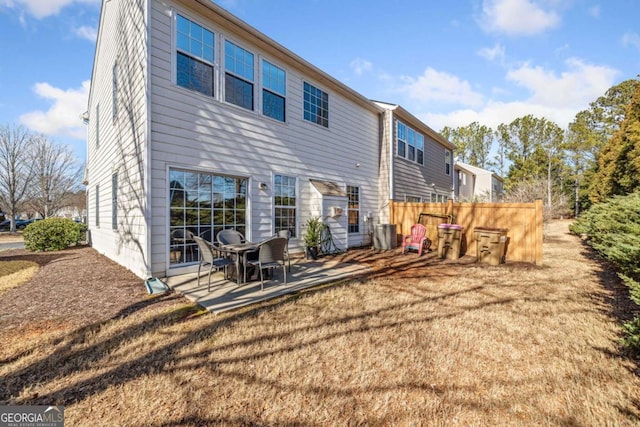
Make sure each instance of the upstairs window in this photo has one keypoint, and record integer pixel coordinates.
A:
(194, 56)
(316, 105)
(238, 78)
(274, 82)
(447, 162)
(409, 143)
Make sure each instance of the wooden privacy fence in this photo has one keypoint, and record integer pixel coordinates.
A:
(523, 222)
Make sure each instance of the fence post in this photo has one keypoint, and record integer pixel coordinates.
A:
(539, 231)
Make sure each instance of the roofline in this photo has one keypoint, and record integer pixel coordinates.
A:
(235, 24)
(474, 169)
(399, 110)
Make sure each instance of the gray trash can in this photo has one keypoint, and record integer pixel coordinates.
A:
(384, 237)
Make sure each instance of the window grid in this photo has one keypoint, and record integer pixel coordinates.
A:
(409, 143)
(273, 92)
(203, 204)
(316, 105)
(353, 208)
(194, 56)
(238, 64)
(285, 201)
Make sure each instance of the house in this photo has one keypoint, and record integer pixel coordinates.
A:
(416, 162)
(476, 184)
(198, 122)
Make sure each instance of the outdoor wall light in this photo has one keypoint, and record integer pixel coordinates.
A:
(262, 185)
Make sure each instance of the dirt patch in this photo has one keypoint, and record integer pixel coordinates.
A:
(72, 288)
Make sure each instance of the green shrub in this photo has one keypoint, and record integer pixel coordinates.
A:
(53, 234)
(613, 230)
(631, 340)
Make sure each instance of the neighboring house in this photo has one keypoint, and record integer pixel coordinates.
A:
(476, 184)
(198, 122)
(416, 163)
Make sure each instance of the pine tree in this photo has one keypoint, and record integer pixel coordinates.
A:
(619, 160)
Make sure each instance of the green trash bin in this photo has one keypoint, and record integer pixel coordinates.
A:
(449, 237)
(490, 245)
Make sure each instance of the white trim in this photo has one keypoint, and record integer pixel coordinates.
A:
(147, 213)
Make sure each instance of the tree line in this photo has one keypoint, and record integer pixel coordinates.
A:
(37, 176)
(595, 158)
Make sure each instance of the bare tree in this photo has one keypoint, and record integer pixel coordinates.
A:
(56, 177)
(16, 169)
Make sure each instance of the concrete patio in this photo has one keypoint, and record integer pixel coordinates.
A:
(228, 295)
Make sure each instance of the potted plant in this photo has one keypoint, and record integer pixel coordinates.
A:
(312, 237)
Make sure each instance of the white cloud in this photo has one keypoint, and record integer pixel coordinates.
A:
(556, 96)
(63, 118)
(40, 9)
(360, 66)
(580, 84)
(439, 86)
(88, 33)
(492, 53)
(631, 39)
(517, 17)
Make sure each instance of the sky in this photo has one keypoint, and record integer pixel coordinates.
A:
(450, 63)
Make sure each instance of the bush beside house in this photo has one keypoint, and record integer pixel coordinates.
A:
(53, 234)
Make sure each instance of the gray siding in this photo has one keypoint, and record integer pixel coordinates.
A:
(415, 180)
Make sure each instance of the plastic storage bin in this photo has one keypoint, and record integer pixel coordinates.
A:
(449, 238)
(490, 244)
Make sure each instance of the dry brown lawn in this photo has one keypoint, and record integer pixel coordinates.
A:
(448, 344)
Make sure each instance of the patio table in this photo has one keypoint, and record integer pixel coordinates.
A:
(239, 250)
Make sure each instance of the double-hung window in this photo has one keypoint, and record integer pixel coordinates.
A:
(238, 76)
(316, 105)
(409, 143)
(194, 56)
(447, 162)
(353, 208)
(274, 81)
(285, 203)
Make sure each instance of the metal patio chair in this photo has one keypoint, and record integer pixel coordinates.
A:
(271, 254)
(211, 256)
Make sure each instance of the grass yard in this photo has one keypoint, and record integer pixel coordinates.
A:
(457, 344)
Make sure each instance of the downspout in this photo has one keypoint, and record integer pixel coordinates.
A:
(147, 168)
(391, 147)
